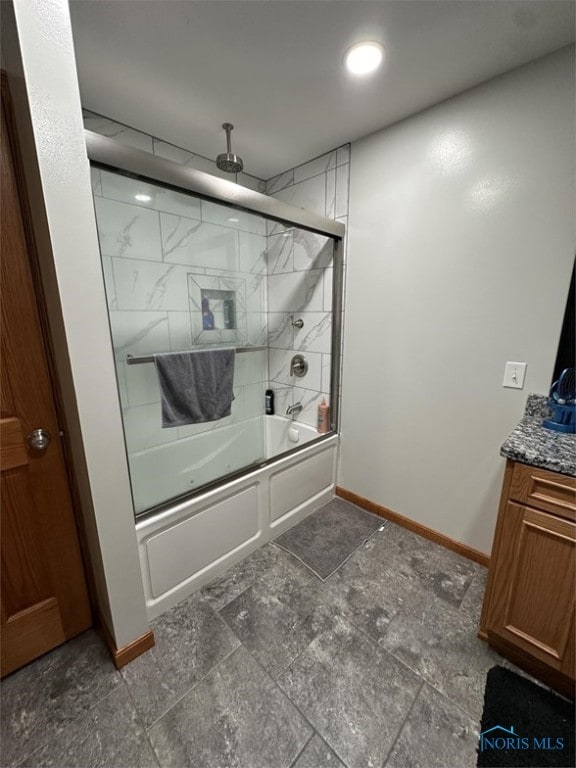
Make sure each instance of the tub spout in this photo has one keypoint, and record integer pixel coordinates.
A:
(294, 410)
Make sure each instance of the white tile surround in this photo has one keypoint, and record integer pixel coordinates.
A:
(159, 254)
(300, 281)
(157, 257)
(139, 140)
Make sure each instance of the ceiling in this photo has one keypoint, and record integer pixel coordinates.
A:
(178, 69)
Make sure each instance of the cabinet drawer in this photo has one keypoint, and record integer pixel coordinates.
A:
(545, 490)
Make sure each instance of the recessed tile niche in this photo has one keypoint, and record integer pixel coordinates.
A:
(217, 308)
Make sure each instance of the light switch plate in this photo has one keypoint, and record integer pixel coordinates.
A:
(514, 375)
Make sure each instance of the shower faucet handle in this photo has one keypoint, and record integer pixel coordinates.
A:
(298, 366)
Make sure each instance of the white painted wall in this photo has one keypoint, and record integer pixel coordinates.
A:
(461, 243)
(39, 57)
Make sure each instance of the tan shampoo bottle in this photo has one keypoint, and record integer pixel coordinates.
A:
(323, 417)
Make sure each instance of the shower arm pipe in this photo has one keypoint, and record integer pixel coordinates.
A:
(109, 153)
(228, 128)
(137, 360)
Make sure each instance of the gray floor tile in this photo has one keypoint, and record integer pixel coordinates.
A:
(430, 566)
(238, 578)
(394, 564)
(325, 539)
(440, 643)
(472, 602)
(42, 699)
(236, 717)
(354, 694)
(317, 754)
(213, 703)
(190, 640)
(279, 615)
(367, 591)
(108, 736)
(437, 734)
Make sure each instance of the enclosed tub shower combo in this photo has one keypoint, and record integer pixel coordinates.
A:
(194, 263)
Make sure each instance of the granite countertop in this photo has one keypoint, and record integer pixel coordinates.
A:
(531, 443)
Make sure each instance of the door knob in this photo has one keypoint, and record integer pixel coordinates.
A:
(39, 439)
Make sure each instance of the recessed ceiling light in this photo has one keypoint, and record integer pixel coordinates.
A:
(233, 219)
(143, 198)
(364, 58)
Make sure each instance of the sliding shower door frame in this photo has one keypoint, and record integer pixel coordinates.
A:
(110, 155)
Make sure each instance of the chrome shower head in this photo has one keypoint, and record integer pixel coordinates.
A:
(228, 161)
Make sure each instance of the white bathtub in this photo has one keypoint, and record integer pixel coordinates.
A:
(283, 434)
(186, 546)
(176, 468)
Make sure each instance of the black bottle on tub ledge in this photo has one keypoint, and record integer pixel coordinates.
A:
(269, 402)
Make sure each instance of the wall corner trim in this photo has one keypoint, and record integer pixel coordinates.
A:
(127, 653)
(411, 525)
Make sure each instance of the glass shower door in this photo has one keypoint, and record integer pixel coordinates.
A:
(300, 272)
(168, 258)
(183, 273)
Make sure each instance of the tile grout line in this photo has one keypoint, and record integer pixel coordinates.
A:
(350, 619)
(367, 637)
(424, 679)
(372, 642)
(307, 178)
(358, 548)
(296, 707)
(414, 671)
(217, 610)
(267, 674)
(200, 680)
(345, 618)
(390, 751)
(140, 720)
(74, 720)
(299, 755)
(382, 649)
(451, 700)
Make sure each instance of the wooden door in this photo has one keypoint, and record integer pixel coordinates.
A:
(44, 599)
(532, 598)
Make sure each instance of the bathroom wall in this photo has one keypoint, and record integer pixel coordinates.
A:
(461, 243)
(300, 281)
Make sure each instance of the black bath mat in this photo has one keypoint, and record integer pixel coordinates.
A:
(522, 722)
(327, 538)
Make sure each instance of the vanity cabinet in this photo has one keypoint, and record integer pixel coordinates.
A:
(529, 606)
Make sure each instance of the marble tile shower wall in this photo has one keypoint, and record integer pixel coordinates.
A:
(140, 140)
(300, 281)
(296, 264)
(158, 255)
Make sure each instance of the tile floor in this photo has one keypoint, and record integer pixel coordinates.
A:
(270, 667)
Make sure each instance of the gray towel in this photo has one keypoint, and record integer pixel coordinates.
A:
(195, 386)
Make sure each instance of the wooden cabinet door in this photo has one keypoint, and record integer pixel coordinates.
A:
(532, 599)
(43, 590)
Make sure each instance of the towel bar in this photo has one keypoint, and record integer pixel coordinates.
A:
(131, 360)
